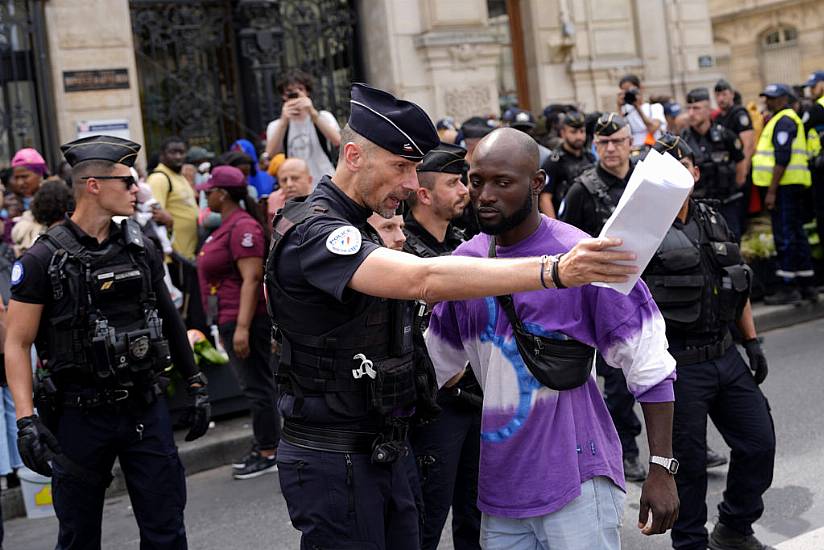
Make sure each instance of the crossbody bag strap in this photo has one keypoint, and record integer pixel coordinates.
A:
(506, 299)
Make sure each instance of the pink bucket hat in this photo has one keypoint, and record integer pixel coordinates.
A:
(29, 158)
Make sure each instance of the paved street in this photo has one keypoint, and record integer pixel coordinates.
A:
(226, 514)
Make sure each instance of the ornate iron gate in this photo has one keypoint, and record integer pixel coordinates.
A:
(208, 68)
(24, 85)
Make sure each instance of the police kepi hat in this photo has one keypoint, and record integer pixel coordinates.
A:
(223, 177)
(609, 123)
(776, 90)
(675, 146)
(399, 126)
(446, 158)
(815, 78)
(723, 84)
(108, 148)
(574, 119)
(698, 94)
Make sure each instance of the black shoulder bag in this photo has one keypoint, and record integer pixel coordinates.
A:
(557, 364)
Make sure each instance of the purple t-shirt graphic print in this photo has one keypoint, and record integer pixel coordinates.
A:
(538, 445)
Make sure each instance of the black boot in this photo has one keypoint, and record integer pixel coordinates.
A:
(786, 295)
(724, 538)
(633, 469)
(809, 292)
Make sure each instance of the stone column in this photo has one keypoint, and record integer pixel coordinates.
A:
(85, 35)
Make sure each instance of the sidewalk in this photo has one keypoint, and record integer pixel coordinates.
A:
(229, 439)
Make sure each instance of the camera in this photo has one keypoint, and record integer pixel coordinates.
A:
(631, 96)
(292, 95)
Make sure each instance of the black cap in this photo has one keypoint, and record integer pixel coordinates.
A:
(698, 94)
(722, 85)
(445, 158)
(476, 127)
(574, 119)
(776, 90)
(110, 148)
(675, 146)
(399, 126)
(609, 123)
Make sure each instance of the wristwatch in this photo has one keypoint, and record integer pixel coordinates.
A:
(669, 464)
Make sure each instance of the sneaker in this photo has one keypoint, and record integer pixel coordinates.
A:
(724, 538)
(784, 296)
(241, 462)
(634, 470)
(258, 465)
(715, 459)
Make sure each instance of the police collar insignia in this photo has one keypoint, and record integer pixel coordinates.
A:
(344, 241)
(247, 241)
(17, 273)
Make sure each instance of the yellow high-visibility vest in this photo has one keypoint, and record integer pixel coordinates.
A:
(813, 137)
(763, 161)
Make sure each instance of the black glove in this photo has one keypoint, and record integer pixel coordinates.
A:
(37, 445)
(758, 361)
(200, 412)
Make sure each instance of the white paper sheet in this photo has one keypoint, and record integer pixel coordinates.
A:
(657, 189)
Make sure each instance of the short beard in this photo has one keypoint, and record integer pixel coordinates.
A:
(507, 223)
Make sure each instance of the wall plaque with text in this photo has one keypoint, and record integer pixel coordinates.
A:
(103, 79)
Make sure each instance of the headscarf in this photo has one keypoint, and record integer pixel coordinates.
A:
(260, 180)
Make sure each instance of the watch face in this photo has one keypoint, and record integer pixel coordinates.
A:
(673, 466)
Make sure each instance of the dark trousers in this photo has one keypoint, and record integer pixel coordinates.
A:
(344, 502)
(257, 379)
(92, 439)
(791, 244)
(447, 451)
(732, 215)
(724, 390)
(620, 403)
(818, 194)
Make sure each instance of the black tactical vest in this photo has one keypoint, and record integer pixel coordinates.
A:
(700, 285)
(103, 327)
(595, 186)
(362, 366)
(717, 167)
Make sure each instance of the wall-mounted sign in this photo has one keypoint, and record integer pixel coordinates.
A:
(704, 61)
(103, 79)
(118, 127)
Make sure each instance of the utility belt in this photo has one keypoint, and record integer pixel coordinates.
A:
(114, 398)
(701, 353)
(385, 446)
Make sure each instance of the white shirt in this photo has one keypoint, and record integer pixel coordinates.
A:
(303, 143)
(654, 111)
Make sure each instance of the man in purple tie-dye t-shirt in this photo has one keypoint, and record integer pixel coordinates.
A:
(551, 471)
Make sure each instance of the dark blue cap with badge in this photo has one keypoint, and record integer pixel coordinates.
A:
(399, 126)
(815, 78)
(445, 158)
(698, 94)
(776, 90)
(108, 148)
(609, 123)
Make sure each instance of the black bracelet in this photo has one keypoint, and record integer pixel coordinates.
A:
(556, 278)
(544, 259)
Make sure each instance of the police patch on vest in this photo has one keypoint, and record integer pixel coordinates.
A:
(139, 347)
(782, 137)
(744, 120)
(17, 273)
(247, 241)
(344, 240)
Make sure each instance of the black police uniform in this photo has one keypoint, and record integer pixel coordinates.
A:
(700, 283)
(562, 166)
(447, 448)
(716, 154)
(588, 205)
(346, 374)
(107, 331)
(814, 120)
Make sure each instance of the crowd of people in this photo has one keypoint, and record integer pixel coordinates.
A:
(216, 217)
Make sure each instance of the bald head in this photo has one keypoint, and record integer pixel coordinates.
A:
(516, 147)
(295, 178)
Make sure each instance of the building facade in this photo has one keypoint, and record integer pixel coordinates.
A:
(207, 69)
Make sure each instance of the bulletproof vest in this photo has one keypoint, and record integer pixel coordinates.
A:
(595, 186)
(104, 323)
(716, 165)
(364, 365)
(571, 167)
(700, 284)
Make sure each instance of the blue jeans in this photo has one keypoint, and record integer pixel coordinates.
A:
(591, 521)
(791, 244)
(9, 456)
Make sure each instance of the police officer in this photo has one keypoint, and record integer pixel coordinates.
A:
(719, 156)
(588, 205)
(734, 117)
(701, 285)
(347, 370)
(90, 293)
(814, 126)
(446, 448)
(780, 169)
(566, 162)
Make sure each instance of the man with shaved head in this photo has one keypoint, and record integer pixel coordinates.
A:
(294, 180)
(551, 472)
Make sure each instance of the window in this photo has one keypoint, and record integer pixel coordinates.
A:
(780, 57)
